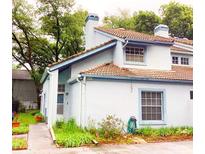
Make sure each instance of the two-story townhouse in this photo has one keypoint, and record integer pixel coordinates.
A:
(122, 73)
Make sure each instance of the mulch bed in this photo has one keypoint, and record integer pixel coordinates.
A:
(174, 138)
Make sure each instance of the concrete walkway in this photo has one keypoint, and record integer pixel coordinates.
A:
(40, 142)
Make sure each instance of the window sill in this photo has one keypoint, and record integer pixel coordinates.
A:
(150, 122)
(135, 63)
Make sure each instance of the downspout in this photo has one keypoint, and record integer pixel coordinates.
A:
(126, 42)
(82, 98)
(48, 105)
(84, 101)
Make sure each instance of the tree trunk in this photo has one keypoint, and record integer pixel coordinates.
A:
(38, 92)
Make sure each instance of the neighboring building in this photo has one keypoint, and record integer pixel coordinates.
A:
(123, 73)
(23, 89)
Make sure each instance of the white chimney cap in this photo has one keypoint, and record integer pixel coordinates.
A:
(92, 16)
(161, 30)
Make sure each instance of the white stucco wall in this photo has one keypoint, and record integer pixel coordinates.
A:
(74, 102)
(122, 98)
(44, 98)
(156, 57)
(100, 38)
(92, 62)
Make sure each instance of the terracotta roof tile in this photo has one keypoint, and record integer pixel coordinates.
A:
(183, 41)
(82, 52)
(122, 33)
(109, 69)
(177, 49)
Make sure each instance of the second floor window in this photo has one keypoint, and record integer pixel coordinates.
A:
(184, 61)
(175, 60)
(134, 54)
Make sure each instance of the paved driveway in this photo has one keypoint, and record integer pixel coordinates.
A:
(40, 143)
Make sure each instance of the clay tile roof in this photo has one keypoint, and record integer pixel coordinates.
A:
(21, 75)
(122, 33)
(183, 41)
(177, 49)
(109, 69)
(82, 52)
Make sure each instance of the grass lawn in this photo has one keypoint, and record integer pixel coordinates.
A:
(25, 119)
(22, 129)
(19, 144)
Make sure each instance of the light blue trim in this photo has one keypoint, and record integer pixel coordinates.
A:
(137, 79)
(143, 42)
(164, 112)
(83, 56)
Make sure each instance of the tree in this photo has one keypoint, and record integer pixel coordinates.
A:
(146, 21)
(45, 35)
(179, 18)
(63, 28)
(27, 46)
(123, 20)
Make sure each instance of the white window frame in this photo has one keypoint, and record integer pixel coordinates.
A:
(177, 60)
(163, 108)
(61, 93)
(133, 62)
(184, 58)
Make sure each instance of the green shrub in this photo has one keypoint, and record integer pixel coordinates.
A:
(22, 129)
(68, 134)
(165, 131)
(26, 118)
(111, 127)
(19, 143)
(74, 139)
(147, 131)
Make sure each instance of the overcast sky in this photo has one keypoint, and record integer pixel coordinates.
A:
(110, 7)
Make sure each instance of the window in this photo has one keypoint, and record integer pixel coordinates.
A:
(184, 61)
(175, 60)
(191, 94)
(134, 54)
(61, 88)
(60, 98)
(151, 105)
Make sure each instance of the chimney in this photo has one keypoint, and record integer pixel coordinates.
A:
(161, 30)
(91, 22)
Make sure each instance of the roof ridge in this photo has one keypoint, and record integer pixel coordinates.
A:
(133, 34)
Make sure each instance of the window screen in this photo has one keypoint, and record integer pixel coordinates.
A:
(175, 60)
(60, 98)
(191, 94)
(184, 61)
(134, 54)
(151, 103)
